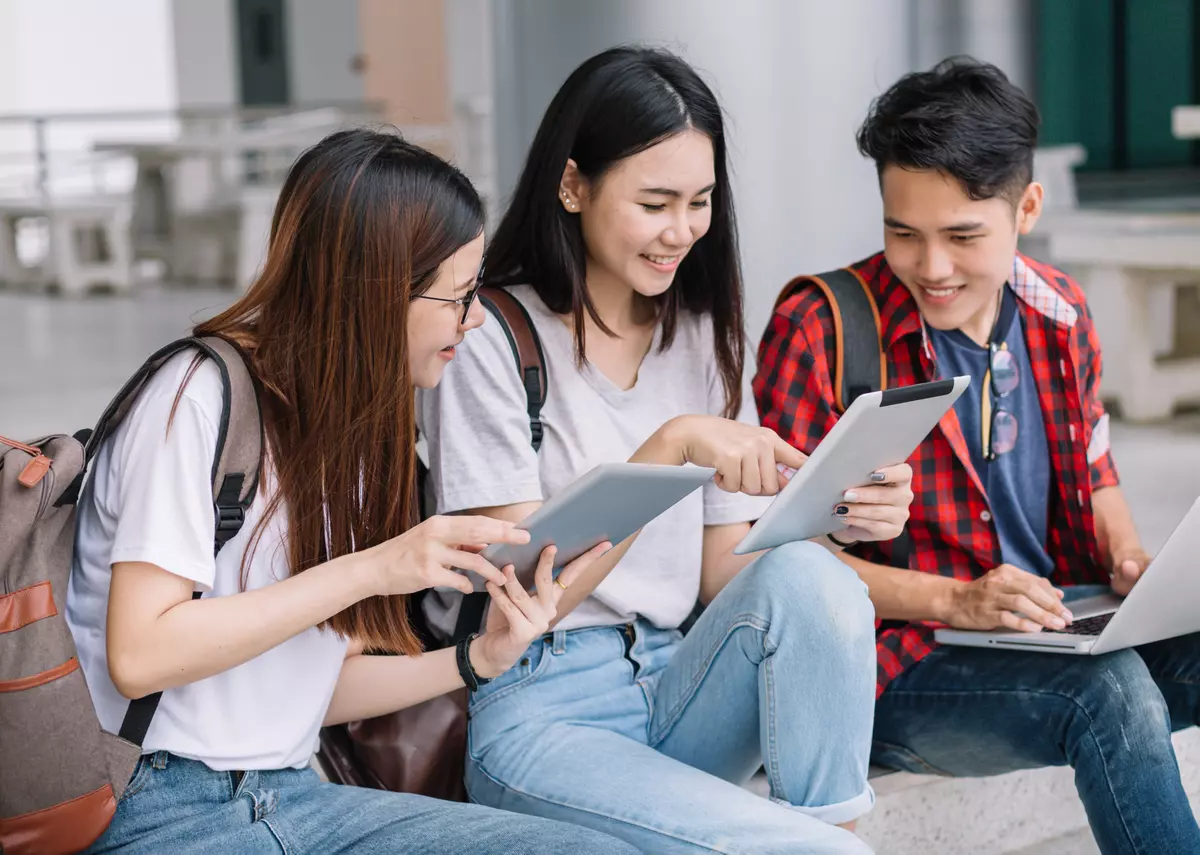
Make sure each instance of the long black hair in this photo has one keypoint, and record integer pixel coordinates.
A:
(616, 104)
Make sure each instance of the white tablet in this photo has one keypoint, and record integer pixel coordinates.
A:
(609, 503)
(879, 429)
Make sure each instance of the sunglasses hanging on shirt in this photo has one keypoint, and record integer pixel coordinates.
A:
(999, 424)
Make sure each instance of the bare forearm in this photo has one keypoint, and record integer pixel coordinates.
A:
(590, 579)
(713, 579)
(1115, 530)
(899, 594)
(196, 639)
(721, 564)
(376, 685)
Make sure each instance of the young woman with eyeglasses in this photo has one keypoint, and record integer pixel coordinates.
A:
(370, 235)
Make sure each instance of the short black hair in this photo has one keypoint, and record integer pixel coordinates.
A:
(963, 117)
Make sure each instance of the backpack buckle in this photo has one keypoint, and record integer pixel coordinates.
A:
(229, 521)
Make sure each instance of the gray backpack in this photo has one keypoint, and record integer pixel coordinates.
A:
(60, 773)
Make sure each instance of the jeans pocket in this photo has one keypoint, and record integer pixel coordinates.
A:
(532, 665)
(139, 778)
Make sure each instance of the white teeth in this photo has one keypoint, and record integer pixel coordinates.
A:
(940, 292)
(663, 259)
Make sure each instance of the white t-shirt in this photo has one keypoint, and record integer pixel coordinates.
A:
(479, 452)
(149, 498)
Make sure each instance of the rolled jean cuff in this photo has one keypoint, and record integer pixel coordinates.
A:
(838, 813)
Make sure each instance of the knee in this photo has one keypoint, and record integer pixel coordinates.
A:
(808, 587)
(1120, 706)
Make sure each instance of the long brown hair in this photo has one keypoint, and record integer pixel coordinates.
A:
(362, 224)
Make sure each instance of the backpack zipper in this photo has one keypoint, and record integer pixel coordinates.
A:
(35, 470)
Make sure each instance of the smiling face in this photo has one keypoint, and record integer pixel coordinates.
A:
(953, 253)
(436, 326)
(641, 218)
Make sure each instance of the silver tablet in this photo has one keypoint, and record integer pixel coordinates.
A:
(879, 429)
(609, 503)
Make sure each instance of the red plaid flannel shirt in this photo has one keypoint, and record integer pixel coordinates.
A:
(950, 524)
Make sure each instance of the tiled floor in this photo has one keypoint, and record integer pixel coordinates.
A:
(63, 359)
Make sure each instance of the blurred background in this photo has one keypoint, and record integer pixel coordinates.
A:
(142, 144)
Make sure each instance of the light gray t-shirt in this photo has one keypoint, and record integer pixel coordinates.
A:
(480, 455)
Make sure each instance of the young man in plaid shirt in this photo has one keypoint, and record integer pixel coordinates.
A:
(1018, 508)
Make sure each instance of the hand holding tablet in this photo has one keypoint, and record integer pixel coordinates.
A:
(609, 503)
(879, 430)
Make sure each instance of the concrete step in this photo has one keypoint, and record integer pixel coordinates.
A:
(1022, 813)
(1075, 843)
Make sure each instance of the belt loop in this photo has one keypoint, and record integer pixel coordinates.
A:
(159, 761)
(560, 642)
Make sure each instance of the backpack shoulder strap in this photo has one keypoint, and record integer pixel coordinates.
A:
(235, 467)
(859, 364)
(527, 350)
(531, 365)
(238, 462)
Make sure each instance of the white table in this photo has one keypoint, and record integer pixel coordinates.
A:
(1127, 263)
(88, 244)
(195, 211)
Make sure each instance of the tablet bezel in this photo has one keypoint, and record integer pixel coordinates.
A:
(768, 531)
(633, 477)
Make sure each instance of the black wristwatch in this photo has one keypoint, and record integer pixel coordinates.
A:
(462, 655)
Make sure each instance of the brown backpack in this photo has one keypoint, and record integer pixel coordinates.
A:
(858, 362)
(422, 749)
(60, 773)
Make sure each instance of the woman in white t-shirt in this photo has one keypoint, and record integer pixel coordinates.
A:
(367, 289)
(620, 242)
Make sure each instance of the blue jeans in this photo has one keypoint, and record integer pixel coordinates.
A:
(182, 806)
(648, 736)
(972, 712)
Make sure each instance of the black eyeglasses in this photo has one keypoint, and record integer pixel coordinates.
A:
(999, 426)
(464, 301)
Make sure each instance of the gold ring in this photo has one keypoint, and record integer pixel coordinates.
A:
(560, 584)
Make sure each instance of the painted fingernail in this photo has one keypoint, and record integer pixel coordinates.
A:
(841, 510)
(850, 496)
(878, 477)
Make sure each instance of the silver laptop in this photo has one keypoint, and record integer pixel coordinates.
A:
(1165, 603)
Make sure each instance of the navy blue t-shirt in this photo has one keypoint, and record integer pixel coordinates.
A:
(1017, 482)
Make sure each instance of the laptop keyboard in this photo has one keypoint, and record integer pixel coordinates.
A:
(1085, 626)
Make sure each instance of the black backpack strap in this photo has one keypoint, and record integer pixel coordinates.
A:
(527, 350)
(235, 468)
(531, 366)
(470, 615)
(859, 365)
